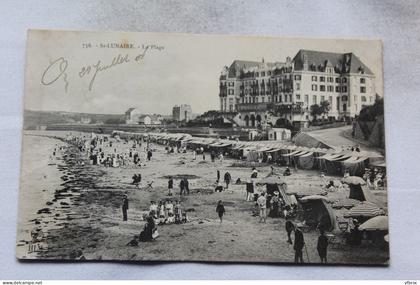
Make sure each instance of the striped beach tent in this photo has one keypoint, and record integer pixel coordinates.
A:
(364, 209)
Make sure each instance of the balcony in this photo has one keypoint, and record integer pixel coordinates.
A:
(254, 107)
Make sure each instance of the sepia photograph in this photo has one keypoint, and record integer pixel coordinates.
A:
(206, 148)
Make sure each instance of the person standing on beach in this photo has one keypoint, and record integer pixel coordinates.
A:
(220, 209)
(289, 229)
(227, 179)
(181, 187)
(322, 246)
(298, 246)
(187, 186)
(170, 186)
(249, 190)
(125, 207)
(262, 203)
(218, 175)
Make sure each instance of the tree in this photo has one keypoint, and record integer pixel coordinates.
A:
(318, 110)
(369, 113)
(315, 111)
(325, 107)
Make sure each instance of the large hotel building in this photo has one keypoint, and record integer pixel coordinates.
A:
(261, 93)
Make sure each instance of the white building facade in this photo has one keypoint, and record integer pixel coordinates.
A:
(262, 93)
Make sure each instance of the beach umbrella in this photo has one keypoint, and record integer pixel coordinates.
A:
(364, 209)
(376, 223)
(271, 180)
(314, 197)
(354, 180)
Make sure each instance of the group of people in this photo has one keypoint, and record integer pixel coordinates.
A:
(374, 178)
(299, 242)
(162, 213)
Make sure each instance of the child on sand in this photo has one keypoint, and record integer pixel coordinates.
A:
(220, 209)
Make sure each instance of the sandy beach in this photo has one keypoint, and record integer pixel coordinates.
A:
(78, 206)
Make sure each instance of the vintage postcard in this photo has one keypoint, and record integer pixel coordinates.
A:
(176, 147)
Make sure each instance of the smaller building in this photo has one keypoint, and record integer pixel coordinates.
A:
(149, 120)
(132, 116)
(182, 113)
(279, 134)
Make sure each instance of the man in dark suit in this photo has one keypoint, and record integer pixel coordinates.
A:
(298, 246)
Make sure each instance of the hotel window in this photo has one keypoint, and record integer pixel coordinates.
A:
(298, 77)
(364, 99)
(269, 73)
(230, 91)
(307, 99)
(246, 91)
(291, 98)
(344, 80)
(322, 98)
(314, 87)
(314, 78)
(344, 98)
(330, 88)
(280, 98)
(298, 86)
(314, 99)
(262, 99)
(275, 98)
(242, 101)
(343, 89)
(337, 88)
(257, 74)
(337, 80)
(269, 99)
(362, 80)
(321, 87)
(298, 97)
(231, 83)
(330, 79)
(330, 100)
(362, 89)
(322, 78)
(285, 97)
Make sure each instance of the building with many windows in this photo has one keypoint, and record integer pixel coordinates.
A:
(263, 93)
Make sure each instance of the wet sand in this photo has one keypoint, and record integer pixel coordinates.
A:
(91, 218)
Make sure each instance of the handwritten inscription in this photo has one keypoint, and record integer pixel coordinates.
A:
(58, 68)
(99, 66)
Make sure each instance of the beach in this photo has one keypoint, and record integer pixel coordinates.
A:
(78, 207)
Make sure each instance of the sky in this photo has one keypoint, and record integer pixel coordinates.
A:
(174, 69)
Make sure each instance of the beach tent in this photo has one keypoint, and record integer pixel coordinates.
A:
(358, 190)
(318, 213)
(306, 160)
(364, 210)
(275, 183)
(355, 165)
